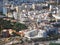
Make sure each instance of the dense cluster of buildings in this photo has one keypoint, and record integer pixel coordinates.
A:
(18, 2)
(15, 2)
(36, 16)
(26, 12)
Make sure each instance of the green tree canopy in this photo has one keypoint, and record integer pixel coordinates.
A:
(4, 24)
(54, 44)
(18, 26)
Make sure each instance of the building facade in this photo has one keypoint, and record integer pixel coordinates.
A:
(1, 5)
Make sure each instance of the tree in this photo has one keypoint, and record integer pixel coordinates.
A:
(1, 23)
(4, 24)
(54, 44)
(19, 26)
(7, 25)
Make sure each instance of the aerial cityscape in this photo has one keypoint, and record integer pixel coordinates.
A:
(29, 22)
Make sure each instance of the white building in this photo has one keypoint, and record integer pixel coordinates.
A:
(35, 34)
(4, 10)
